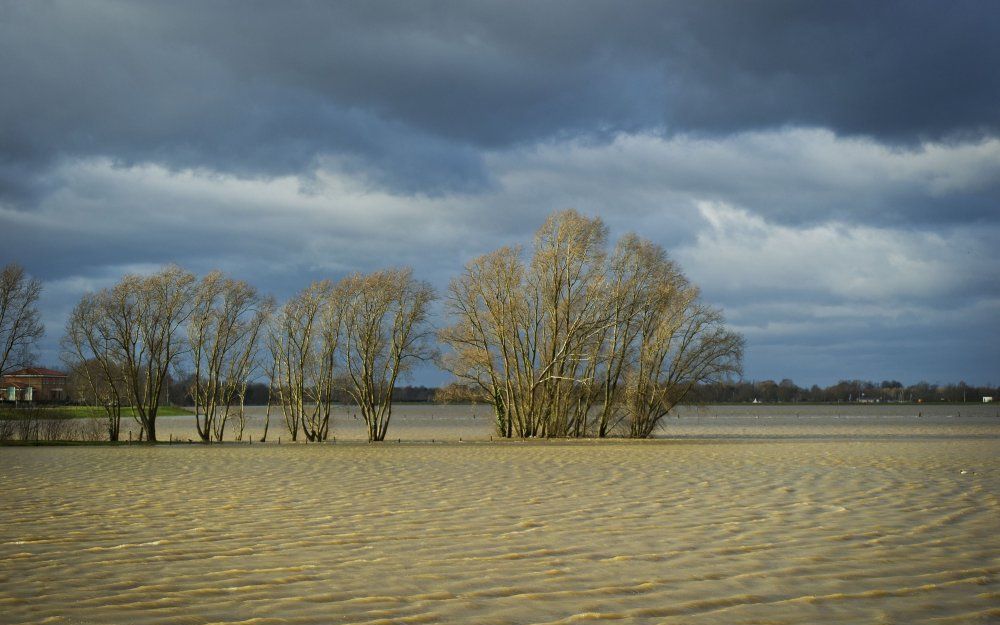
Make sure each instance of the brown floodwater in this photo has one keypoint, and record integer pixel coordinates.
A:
(740, 515)
(430, 422)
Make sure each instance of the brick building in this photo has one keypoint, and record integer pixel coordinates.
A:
(34, 384)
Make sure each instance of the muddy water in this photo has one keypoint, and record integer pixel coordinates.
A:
(813, 524)
(427, 422)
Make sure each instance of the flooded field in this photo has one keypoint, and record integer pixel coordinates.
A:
(429, 422)
(742, 515)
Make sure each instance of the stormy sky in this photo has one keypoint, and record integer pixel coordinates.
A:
(827, 172)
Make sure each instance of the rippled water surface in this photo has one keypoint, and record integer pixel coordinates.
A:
(427, 422)
(803, 518)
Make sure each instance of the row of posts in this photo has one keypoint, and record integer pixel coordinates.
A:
(170, 441)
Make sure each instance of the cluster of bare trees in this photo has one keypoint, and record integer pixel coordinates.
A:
(227, 320)
(359, 335)
(575, 341)
(127, 338)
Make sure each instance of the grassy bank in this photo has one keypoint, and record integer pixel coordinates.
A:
(81, 412)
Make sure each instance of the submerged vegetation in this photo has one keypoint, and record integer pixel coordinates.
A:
(97, 412)
(63, 424)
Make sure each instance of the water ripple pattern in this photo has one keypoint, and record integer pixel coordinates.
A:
(873, 530)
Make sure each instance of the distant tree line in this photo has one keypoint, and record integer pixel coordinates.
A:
(786, 391)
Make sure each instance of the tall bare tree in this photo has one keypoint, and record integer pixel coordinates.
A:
(322, 369)
(683, 343)
(224, 331)
(567, 286)
(86, 350)
(639, 279)
(145, 316)
(384, 316)
(20, 322)
(490, 336)
(133, 332)
(272, 379)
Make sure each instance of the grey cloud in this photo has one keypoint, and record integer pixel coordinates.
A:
(892, 70)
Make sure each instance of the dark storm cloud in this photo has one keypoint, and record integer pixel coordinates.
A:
(410, 92)
(891, 70)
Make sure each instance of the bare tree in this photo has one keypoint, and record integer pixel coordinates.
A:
(490, 334)
(683, 343)
(567, 286)
(272, 375)
(86, 348)
(144, 316)
(384, 316)
(322, 368)
(224, 331)
(639, 279)
(20, 322)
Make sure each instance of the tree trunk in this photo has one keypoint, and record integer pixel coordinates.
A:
(267, 419)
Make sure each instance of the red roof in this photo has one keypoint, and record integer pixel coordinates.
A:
(37, 371)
